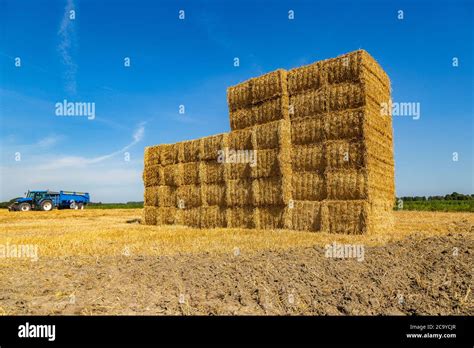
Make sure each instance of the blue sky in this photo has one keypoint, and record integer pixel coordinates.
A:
(190, 62)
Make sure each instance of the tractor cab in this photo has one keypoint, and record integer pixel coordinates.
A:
(40, 200)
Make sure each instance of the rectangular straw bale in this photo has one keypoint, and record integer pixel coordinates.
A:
(167, 216)
(189, 196)
(305, 216)
(267, 164)
(371, 65)
(344, 154)
(307, 130)
(268, 135)
(268, 86)
(152, 155)
(381, 182)
(238, 170)
(238, 192)
(270, 110)
(268, 191)
(345, 96)
(269, 218)
(308, 158)
(170, 154)
(190, 151)
(305, 78)
(210, 146)
(241, 118)
(309, 103)
(240, 217)
(149, 215)
(347, 217)
(346, 184)
(212, 172)
(213, 217)
(345, 68)
(240, 139)
(153, 175)
(308, 186)
(344, 124)
(166, 196)
(213, 194)
(173, 174)
(381, 143)
(382, 218)
(377, 121)
(239, 96)
(151, 196)
(191, 173)
(191, 217)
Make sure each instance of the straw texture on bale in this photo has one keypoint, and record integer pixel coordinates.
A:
(267, 191)
(166, 196)
(305, 216)
(190, 151)
(309, 103)
(308, 158)
(344, 154)
(348, 184)
(213, 194)
(307, 130)
(346, 217)
(308, 186)
(210, 146)
(153, 175)
(239, 96)
(191, 173)
(212, 172)
(238, 192)
(188, 196)
(173, 174)
(213, 217)
(240, 217)
(268, 86)
(191, 217)
(269, 217)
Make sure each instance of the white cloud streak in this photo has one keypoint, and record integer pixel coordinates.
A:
(78, 161)
(66, 35)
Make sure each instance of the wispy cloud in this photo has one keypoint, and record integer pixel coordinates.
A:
(67, 35)
(48, 141)
(78, 161)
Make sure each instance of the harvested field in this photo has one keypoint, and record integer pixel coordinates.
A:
(109, 266)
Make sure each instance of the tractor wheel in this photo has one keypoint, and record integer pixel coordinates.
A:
(73, 205)
(25, 207)
(47, 205)
(80, 206)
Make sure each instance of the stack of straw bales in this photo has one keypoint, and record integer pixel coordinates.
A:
(342, 152)
(323, 156)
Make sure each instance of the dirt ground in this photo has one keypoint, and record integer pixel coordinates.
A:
(417, 274)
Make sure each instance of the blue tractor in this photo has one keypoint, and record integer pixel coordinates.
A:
(47, 200)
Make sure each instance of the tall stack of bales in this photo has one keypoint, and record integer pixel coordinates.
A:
(258, 192)
(342, 153)
(309, 149)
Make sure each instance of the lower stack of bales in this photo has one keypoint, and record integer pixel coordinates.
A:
(308, 150)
